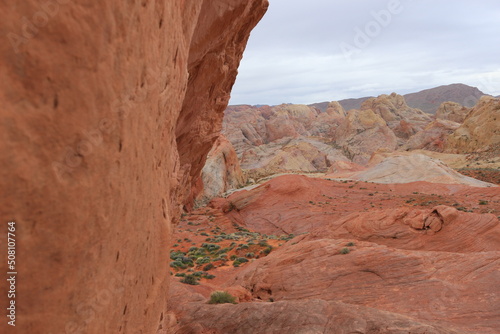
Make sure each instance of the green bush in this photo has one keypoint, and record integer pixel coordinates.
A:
(175, 255)
(263, 243)
(208, 267)
(221, 297)
(190, 279)
(350, 244)
(345, 250)
(178, 264)
(203, 260)
(267, 250)
(210, 247)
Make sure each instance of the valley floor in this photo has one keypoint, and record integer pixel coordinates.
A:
(312, 255)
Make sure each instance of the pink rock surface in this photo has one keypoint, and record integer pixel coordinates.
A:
(221, 172)
(366, 258)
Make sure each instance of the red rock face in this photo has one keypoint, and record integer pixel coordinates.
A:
(108, 109)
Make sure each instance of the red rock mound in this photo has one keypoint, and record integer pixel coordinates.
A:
(415, 258)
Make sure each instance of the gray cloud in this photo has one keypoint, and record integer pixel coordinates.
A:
(321, 50)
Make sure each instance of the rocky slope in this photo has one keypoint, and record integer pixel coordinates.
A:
(263, 136)
(427, 100)
(401, 118)
(410, 167)
(364, 132)
(108, 109)
(433, 137)
(480, 131)
(452, 111)
(221, 172)
(369, 258)
(312, 139)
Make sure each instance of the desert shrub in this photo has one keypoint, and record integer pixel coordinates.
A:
(223, 250)
(210, 247)
(350, 244)
(263, 243)
(242, 260)
(185, 259)
(203, 260)
(208, 267)
(221, 297)
(190, 279)
(174, 255)
(345, 250)
(231, 207)
(250, 255)
(483, 202)
(287, 237)
(178, 264)
(267, 250)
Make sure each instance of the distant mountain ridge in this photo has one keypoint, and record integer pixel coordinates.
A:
(427, 100)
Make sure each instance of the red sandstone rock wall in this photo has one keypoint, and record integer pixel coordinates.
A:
(107, 111)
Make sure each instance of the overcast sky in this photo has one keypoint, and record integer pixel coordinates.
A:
(325, 50)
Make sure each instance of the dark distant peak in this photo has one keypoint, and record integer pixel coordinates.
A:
(429, 100)
(320, 105)
(349, 104)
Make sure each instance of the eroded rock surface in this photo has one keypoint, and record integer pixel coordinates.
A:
(221, 172)
(452, 111)
(480, 130)
(108, 109)
(366, 258)
(412, 167)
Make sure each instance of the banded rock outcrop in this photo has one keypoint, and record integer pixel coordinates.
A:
(452, 111)
(221, 172)
(480, 130)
